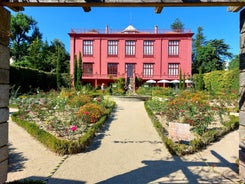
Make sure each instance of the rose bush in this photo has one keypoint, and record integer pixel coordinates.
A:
(63, 113)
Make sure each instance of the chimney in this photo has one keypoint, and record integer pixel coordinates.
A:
(106, 29)
(156, 29)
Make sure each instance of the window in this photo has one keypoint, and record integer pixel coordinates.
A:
(173, 48)
(148, 70)
(130, 48)
(148, 47)
(87, 47)
(173, 69)
(112, 47)
(112, 68)
(87, 68)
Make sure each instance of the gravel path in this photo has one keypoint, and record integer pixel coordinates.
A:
(128, 150)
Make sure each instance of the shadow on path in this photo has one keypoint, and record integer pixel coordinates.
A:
(154, 170)
(16, 160)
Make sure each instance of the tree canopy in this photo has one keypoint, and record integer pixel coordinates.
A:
(177, 25)
(23, 31)
(209, 55)
(29, 50)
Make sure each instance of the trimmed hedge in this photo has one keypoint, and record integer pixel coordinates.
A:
(220, 81)
(29, 79)
(59, 146)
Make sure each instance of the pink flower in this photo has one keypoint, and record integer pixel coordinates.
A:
(73, 128)
(86, 112)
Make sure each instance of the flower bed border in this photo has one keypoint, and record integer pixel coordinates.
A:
(196, 144)
(57, 145)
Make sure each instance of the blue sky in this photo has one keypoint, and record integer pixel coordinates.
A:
(217, 22)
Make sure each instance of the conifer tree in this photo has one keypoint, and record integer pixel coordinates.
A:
(79, 71)
(200, 82)
(181, 82)
(177, 25)
(75, 71)
(58, 69)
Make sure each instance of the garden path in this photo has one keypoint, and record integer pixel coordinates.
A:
(128, 150)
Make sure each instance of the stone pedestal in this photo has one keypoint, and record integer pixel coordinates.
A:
(4, 91)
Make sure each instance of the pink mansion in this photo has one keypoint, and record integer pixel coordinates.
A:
(130, 53)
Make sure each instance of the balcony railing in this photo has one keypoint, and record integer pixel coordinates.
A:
(123, 75)
(117, 31)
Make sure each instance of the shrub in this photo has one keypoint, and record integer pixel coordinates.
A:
(196, 144)
(79, 100)
(233, 124)
(64, 93)
(144, 90)
(30, 79)
(91, 112)
(222, 81)
(162, 92)
(147, 89)
(156, 105)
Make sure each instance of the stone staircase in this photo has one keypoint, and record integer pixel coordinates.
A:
(131, 85)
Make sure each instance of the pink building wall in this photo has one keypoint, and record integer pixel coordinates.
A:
(160, 59)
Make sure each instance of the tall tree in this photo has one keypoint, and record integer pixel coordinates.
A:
(47, 53)
(28, 49)
(23, 30)
(79, 70)
(221, 50)
(213, 56)
(200, 39)
(205, 59)
(198, 42)
(34, 55)
(209, 55)
(75, 71)
(177, 25)
(200, 82)
(181, 81)
(64, 56)
(58, 74)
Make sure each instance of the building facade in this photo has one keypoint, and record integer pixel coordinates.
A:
(130, 53)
